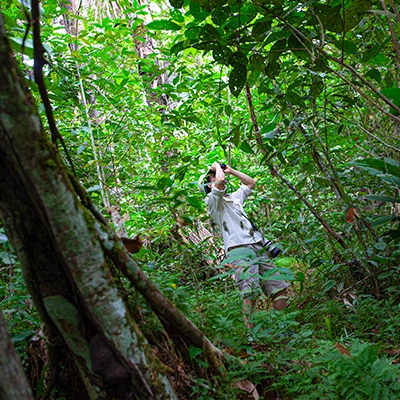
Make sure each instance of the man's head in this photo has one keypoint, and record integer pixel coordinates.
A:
(210, 178)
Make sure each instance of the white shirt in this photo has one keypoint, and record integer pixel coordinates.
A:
(228, 213)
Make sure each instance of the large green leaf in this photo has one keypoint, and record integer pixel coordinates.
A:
(246, 147)
(198, 12)
(237, 58)
(295, 99)
(331, 16)
(237, 79)
(220, 14)
(385, 199)
(222, 54)
(386, 169)
(163, 25)
(392, 94)
(176, 3)
(382, 165)
(209, 33)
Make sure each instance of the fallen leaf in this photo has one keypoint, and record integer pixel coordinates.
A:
(248, 387)
(132, 245)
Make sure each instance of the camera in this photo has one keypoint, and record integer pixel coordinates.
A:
(271, 248)
(223, 166)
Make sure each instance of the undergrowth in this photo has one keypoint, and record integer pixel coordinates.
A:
(323, 346)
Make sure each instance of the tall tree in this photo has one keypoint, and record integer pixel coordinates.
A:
(66, 249)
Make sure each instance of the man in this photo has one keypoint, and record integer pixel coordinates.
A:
(238, 232)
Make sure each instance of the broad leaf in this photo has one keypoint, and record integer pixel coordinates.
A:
(163, 25)
(237, 58)
(385, 199)
(246, 148)
(176, 3)
(237, 79)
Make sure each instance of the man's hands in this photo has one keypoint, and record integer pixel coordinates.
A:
(220, 175)
(215, 166)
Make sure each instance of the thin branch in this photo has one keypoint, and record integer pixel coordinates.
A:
(393, 34)
(274, 172)
(391, 2)
(349, 68)
(38, 64)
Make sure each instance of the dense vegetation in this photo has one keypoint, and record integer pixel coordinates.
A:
(305, 98)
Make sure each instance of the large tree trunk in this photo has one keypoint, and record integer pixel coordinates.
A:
(13, 383)
(61, 256)
(65, 255)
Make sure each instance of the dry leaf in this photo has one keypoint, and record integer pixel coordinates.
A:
(248, 387)
(132, 245)
(342, 349)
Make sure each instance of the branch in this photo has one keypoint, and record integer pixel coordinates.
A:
(39, 62)
(286, 182)
(348, 67)
(178, 326)
(393, 34)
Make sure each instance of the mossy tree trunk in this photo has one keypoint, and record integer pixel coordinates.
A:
(65, 248)
(61, 256)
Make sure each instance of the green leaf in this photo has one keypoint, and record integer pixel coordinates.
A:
(16, 44)
(374, 74)
(257, 61)
(193, 201)
(180, 46)
(348, 46)
(330, 17)
(209, 33)
(220, 14)
(235, 135)
(209, 5)
(295, 99)
(240, 254)
(381, 245)
(379, 165)
(355, 13)
(272, 69)
(380, 221)
(222, 54)
(237, 79)
(194, 352)
(238, 58)
(246, 148)
(371, 53)
(163, 25)
(176, 3)
(329, 285)
(3, 238)
(277, 50)
(385, 199)
(198, 12)
(297, 48)
(392, 94)
(261, 29)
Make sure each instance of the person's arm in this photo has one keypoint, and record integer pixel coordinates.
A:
(220, 180)
(245, 179)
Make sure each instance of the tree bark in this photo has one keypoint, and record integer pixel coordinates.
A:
(13, 383)
(63, 262)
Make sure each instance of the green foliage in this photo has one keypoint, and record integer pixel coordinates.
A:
(152, 125)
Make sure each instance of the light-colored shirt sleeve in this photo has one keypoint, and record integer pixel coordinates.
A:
(241, 193)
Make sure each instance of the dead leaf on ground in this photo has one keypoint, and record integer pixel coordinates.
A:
(247, 387)
(132, 245)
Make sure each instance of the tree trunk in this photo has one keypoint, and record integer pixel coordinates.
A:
(64, 266)
(13, 383)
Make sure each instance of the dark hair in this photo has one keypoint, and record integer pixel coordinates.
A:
(210, 174)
